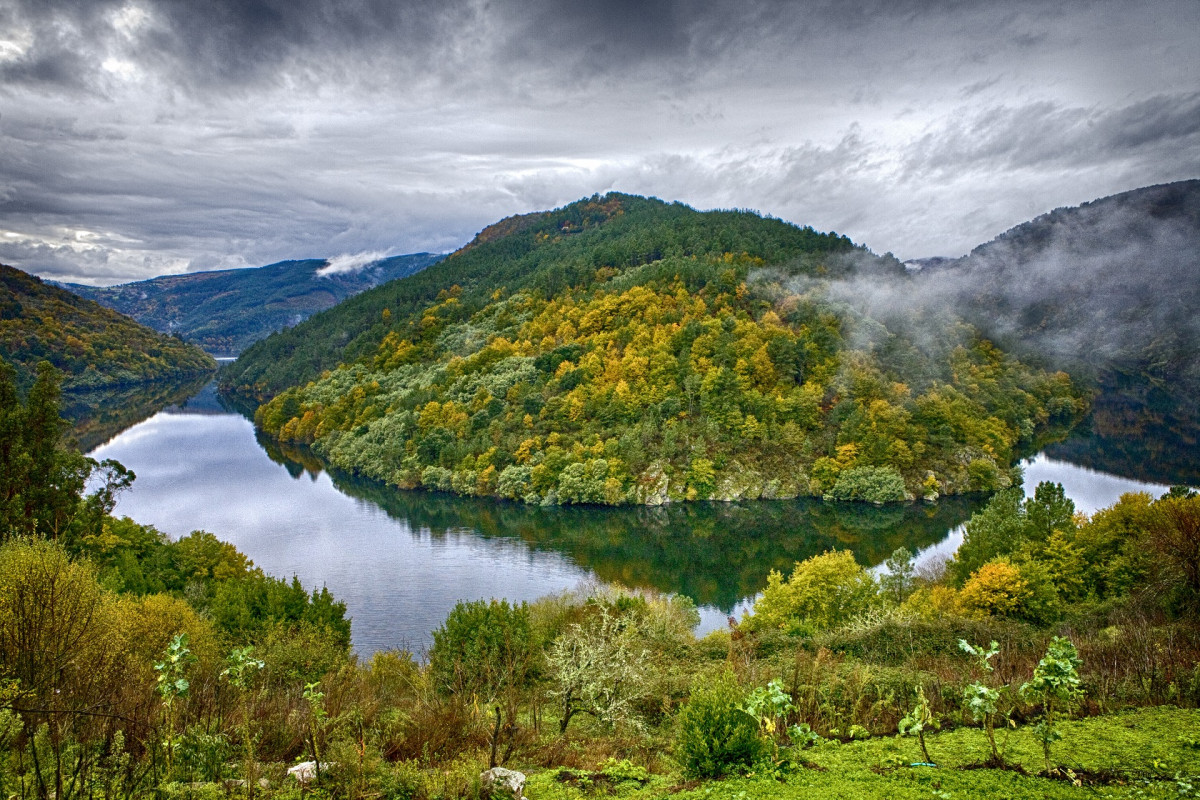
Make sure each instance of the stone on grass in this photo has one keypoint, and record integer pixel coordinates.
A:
(503, 784)
(306, 771)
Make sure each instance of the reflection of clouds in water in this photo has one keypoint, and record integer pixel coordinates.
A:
(206, 472)
(714, 619)
(149, 430)
(935, 553)
(1088, 489)
(401, 574)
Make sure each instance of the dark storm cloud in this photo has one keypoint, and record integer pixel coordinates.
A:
(143, 136)
(222, 43)
(232, 44)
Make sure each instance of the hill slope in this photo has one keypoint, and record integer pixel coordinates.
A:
(94, 346)
(1113, 284)
(224, 311)
(626, 350)
(545, 251)
(1107, 291)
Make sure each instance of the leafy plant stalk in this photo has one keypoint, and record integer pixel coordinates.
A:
(1056, 686)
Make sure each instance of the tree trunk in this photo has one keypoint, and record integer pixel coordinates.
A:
(495, 740)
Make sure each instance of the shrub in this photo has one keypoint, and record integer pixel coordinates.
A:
(917, 721)
(484, 648)
(995, 589)
(583, 483)
(870, 485)
(597, 667)
(1057, 687)
(822, 592)
(716, 736)
(402, 781)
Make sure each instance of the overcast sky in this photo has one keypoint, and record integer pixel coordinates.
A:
(142, 137)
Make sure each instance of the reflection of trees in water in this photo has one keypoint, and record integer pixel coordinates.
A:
(1139, 429)
(98, 415)
(296, 460)
(715, 553)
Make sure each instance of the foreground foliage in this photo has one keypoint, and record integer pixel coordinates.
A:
(131, 666)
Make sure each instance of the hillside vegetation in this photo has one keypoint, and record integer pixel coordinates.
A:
(623, 350)
(224, 311)
(92, 345)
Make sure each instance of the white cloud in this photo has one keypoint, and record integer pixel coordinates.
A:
(350, 262)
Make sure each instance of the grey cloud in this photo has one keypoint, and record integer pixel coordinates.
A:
(230, 132)
(223, 43)
(230, 45)
(1045, 134)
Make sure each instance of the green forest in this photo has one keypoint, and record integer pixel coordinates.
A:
(623, 350)
(93, 346)
(1056, 655)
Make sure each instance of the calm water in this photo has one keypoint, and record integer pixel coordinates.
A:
(401, 560)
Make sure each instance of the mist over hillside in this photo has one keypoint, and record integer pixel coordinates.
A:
(1107, 291)
(1109, 285)
(1112, 285)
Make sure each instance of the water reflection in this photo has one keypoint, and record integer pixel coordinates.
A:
(100, 414)
(401, 560)
(1140, 430)
(716, 553)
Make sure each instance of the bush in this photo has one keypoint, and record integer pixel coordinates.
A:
(716, 736)
(402, 781)
(823, 592)
(484, 648)
(870, 485)
(995, 589)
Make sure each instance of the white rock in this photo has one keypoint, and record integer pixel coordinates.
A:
(306, 771)
(499, 782)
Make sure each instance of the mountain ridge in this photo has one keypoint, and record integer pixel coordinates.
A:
(625, 350)
(225, 311)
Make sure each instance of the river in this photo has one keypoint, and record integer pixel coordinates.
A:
(401, 560)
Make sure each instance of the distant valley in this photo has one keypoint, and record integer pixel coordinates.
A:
(224, 311)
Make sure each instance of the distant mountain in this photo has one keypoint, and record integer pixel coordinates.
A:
(94, 346)
(1112, 285)
(224, 311)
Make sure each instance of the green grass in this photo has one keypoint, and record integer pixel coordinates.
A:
(1132, 754)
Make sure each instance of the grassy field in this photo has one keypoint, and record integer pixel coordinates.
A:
(1151, 753)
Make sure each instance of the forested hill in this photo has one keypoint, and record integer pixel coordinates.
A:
(546, 252)
(94, 346)
(1112, 285)
(625, 350)
(224, 311)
